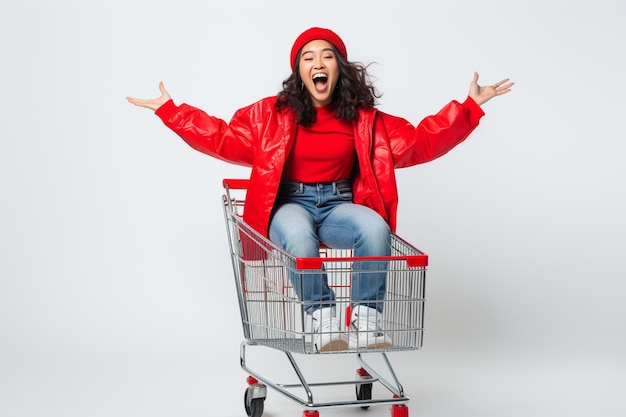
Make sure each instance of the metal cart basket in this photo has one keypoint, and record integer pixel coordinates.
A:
(272, 315)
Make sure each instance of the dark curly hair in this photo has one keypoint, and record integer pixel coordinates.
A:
(354, 91)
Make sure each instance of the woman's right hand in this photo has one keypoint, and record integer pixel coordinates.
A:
(153, 103)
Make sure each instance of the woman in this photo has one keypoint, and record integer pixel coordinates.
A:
(322, 161)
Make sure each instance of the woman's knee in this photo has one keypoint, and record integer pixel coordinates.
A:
(293, 232)
(377, 235)
(375, 227)
(372, 235)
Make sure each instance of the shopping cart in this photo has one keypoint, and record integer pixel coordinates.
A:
(273, 317)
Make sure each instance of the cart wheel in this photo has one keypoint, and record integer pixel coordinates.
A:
(364, 389)
(364, 392)
(253, 406)
(399, 410)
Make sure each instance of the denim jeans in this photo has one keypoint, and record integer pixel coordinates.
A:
(306, 215)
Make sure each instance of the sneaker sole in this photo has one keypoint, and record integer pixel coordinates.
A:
(379, 345)
(382, 345)
(334, 346)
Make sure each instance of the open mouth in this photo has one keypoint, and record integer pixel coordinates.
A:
(320, 80)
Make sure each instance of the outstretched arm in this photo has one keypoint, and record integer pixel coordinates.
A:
(153, 103)
(232, 142)
(482, 94)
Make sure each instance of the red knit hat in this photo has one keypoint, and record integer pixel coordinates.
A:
(313, 34)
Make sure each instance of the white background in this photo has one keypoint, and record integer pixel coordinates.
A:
(116, 293)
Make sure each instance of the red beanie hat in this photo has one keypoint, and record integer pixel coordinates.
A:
(313, 34)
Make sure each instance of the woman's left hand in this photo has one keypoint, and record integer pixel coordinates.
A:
(482, 94)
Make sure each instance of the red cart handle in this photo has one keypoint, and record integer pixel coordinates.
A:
(235, 184)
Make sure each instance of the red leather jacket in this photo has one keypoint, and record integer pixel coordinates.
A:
(259, 136)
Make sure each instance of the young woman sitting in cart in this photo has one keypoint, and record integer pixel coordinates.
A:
(322, 161)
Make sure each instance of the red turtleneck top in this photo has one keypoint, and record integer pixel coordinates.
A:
(322, 152)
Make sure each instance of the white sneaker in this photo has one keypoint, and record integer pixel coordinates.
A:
(328, 337)
(364, 323)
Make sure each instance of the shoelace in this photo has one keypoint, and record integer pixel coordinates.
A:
(326, 326)
(366, 325)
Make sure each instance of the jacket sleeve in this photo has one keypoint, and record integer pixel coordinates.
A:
(232, 142)
(434, 136)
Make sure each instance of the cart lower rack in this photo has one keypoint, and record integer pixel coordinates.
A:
(273, 317)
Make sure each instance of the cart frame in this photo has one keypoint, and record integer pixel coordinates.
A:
(273, 317)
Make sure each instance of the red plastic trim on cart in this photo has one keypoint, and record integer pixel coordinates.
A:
(412, 261)
(399, 410)
(235, 184)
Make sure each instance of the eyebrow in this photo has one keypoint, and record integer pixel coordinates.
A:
(323, 50)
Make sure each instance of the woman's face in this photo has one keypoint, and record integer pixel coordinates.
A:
(319, 71)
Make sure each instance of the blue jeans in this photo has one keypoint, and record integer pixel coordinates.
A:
(306, 215)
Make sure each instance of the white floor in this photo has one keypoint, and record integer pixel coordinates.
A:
(438, 383)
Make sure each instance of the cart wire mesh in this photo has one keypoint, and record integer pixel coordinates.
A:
(271, 313)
